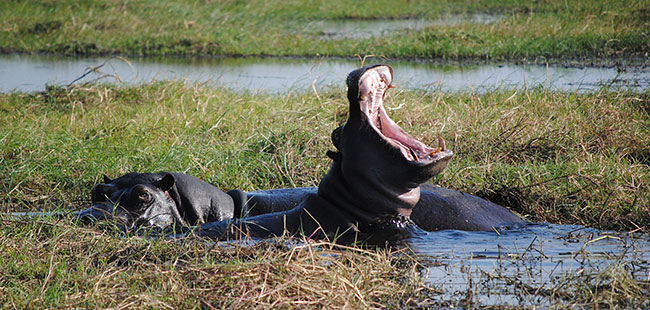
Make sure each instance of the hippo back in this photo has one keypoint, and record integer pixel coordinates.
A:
(442, 208)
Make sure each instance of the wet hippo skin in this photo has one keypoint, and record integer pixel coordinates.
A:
(372, 186)
(370, 191)
(160, 200)
(438, 208)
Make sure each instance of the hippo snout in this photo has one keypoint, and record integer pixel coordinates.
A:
(101, 192)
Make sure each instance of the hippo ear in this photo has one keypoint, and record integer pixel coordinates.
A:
(107, 179)
(335, 156)
(167, 182)
(336, 137)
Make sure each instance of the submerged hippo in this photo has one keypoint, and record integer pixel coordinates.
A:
(371, 190)
(438, 209)
(160, 200)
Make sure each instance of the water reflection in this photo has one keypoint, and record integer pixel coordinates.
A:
(279, 75)
(536, 258)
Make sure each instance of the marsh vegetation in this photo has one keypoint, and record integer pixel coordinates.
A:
(552, 157)
(521, 29)
(562, 157)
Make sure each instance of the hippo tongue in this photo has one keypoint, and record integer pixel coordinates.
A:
(373, 85)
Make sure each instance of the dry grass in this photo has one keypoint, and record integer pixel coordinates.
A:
(50, 264)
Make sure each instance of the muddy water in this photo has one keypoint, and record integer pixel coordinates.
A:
(496, 267)
(281, 75)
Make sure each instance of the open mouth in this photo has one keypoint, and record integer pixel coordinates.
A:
(373, 85)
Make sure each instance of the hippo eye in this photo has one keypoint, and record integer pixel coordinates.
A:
(144, 197)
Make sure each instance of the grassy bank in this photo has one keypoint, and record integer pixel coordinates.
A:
(523, 30)
(556, 157)
(53, 264)
(56, 266)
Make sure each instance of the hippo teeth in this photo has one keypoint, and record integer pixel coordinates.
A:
(441, 147)
(373, 85)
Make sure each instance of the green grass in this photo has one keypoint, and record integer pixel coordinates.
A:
(551, 156)
(527, 29)
(57, 265)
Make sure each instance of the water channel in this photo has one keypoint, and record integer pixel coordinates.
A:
(281, 75)
(535, 259)
(360, 28)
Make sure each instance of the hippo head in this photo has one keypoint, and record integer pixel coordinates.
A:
(106, 190)
(138, 200)
(380, 162)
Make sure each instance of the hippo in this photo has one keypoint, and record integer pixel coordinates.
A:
(438, 208)
(373, 184)
(165, 199)
(373, 190)
(159, 200)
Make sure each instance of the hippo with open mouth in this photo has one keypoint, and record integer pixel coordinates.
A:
(372, 186)
(371, 192)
